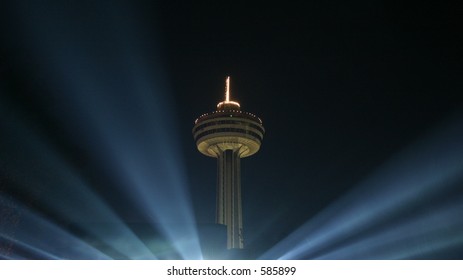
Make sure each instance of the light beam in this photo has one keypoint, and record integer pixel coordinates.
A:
(420, 173)
(110, 94)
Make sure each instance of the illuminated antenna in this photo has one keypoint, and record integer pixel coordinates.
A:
(227, 89)
(227, 97)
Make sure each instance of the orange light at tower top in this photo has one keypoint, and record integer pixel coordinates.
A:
(227, 96)
(227, 89)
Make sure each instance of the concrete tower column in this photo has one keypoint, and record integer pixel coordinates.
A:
(229, 196)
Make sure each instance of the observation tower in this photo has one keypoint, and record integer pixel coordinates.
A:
(229, 134)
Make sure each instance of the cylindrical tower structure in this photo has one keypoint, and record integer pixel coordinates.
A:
(229, 134)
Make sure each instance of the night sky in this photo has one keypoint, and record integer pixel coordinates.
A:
(345, 90)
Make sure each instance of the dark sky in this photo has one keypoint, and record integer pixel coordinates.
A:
(341, 87)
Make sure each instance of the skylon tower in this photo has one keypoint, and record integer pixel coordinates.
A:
(229, 134)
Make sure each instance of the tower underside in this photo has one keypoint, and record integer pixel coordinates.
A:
(229, 197)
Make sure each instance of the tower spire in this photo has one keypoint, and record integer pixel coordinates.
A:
(227, 104)
(227, 89)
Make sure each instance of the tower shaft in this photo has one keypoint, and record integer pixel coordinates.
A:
(229, 196)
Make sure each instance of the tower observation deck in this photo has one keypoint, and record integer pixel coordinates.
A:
(229, 134)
